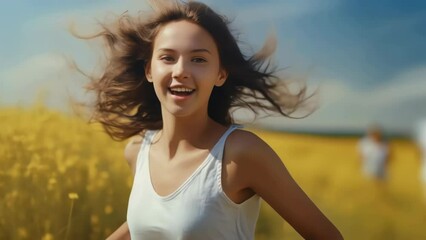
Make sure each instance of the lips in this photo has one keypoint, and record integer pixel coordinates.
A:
(181, 91)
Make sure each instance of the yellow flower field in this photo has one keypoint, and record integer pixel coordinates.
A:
(61, 178)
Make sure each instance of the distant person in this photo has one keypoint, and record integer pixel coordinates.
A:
(421, 141)
(374, 153)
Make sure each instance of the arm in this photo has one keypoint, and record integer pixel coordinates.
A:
(130, 154)
(269, 178)
(122, 233)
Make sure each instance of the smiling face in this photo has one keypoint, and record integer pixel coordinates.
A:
(184, 68)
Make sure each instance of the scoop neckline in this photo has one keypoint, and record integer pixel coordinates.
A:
(174, 193)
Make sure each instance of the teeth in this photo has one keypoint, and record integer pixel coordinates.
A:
(181, 89)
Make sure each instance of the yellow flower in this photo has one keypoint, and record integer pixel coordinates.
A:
(47, 236)
(94, 219)
(51, 183)
(108, 209)
(22, 232)
(72, 196)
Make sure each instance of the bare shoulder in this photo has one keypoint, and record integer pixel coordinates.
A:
(246, 146)
(252, 158)
(132, 149)
(248, 159)
(243, 137)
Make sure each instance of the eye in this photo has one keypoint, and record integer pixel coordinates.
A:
(167, 58)
(199, 60)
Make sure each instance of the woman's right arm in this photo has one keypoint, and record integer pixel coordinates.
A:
(130, 154)
(122, 233)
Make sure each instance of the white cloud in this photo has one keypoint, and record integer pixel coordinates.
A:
(45, 42)
(47, 72)
(53, 27)
(397, 105)
(409, 84)
(34, 70)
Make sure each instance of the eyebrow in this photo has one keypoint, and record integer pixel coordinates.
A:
(192, 51)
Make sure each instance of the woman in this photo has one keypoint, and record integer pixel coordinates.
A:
(170, 84)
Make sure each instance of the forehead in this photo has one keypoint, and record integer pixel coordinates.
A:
(184, 36)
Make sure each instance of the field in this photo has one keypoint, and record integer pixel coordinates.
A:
(61, 178)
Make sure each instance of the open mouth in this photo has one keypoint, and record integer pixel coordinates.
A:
(180, 91)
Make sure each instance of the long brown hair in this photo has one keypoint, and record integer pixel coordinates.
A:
(126, 103)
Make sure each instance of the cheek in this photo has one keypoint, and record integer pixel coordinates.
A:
(160, 91)
(159, 73)
(160, 82)
(211, 71)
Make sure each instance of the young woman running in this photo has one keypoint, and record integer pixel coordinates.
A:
(171, 81)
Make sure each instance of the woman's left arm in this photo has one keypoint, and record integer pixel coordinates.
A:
(269, 178)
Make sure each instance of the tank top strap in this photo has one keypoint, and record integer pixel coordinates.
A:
(218, 157)
(219, 148)
(220, 145)
(143, 151)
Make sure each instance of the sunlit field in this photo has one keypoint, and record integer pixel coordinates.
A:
(61, 178)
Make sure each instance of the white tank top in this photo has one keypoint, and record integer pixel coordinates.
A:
(198, 209)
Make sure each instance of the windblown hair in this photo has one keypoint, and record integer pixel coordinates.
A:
(126, 103)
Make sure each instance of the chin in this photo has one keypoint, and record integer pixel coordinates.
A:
(179, 112)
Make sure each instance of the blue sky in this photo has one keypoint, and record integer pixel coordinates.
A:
(367, 57)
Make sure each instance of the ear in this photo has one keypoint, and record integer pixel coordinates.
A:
(223, 75)
(148, 71)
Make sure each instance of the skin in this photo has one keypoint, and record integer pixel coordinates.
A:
(184, 54)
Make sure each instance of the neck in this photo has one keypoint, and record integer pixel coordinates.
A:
(185, 133)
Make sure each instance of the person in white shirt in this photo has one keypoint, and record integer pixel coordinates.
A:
(374, 152)
(421, 142)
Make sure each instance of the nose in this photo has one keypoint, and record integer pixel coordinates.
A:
(180, 69)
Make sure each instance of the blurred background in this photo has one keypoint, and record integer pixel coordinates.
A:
(361, 156)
